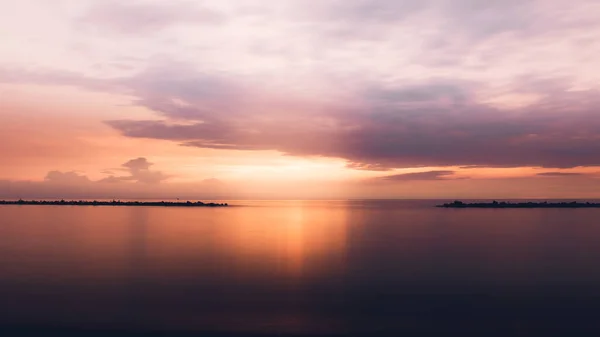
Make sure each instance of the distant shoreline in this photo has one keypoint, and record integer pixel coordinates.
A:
(112, 203)
(507, 204)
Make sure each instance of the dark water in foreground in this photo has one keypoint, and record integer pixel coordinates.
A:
(299, 268)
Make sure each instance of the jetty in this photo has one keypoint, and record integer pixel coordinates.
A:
(508, 204)
(113, 203)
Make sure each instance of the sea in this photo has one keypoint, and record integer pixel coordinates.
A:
(299, 268)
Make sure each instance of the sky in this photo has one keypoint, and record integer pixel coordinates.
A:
(297, 99)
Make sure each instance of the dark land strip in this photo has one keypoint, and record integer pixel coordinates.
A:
(507, 204)
(114, 203)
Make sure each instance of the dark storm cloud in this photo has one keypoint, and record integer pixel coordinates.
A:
(142, 18)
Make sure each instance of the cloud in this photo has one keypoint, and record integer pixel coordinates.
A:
(367, 166)
(468, 17)
(560, 174)
(361, 12)
(146, 17)
(437, 122)
(140, 182)
(72, 178)
(111, 180)
(137, 165)
(374, 126)
(52, 77)
(149, 177)
(139, 170)
(447, 31)
(429, 175)
(363, 94)
(478, 20)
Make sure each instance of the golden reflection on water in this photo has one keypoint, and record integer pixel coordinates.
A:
(103, 242)
(231, 257)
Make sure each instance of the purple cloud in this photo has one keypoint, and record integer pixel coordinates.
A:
(111, 180)
(560, 174)
(139, 171)
(402, 125)
(429, 175)
(436, 122)
(136, 165)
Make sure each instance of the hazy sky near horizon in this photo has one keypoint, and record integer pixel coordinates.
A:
(300, 99)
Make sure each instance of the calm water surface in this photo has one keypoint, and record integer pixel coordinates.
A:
(299, 268)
